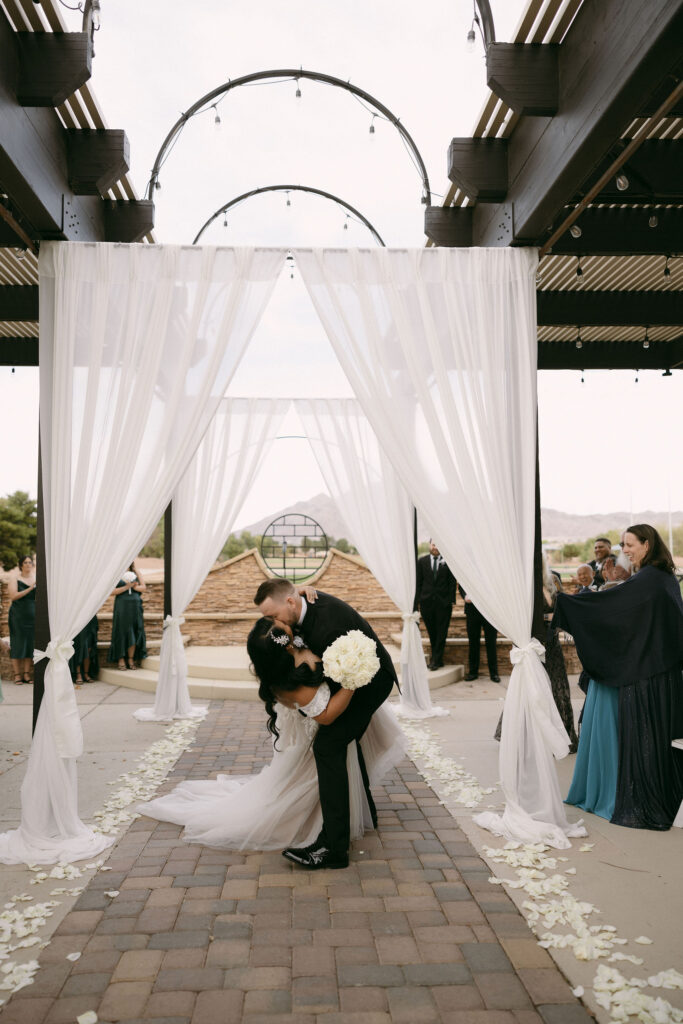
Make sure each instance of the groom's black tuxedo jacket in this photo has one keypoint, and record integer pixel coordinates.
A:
(329, 618)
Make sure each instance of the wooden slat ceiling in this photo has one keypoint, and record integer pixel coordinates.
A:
(547, 21)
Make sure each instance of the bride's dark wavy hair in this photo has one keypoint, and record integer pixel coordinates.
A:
(275, 667)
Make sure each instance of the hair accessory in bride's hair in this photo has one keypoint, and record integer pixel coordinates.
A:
(282, 639)
(298, 641)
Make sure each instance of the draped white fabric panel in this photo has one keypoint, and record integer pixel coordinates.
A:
(208, 498)
(439, 346)
(138, 345)
(379, 513)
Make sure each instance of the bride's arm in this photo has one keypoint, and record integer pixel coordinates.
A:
(316, 702)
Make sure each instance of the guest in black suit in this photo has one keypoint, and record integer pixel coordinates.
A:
(603, 550)
(475, 622)
(320, 624)
(435, 596)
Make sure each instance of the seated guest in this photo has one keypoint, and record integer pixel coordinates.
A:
(630, 642)
(475, 623)
(585, 577)
(603, 549)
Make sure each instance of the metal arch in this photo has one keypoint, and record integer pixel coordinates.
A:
(287, 74)
(487, 27)
(289, 188)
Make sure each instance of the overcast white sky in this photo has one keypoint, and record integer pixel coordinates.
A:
(606, 444)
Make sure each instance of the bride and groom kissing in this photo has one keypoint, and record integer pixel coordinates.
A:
(330, 744)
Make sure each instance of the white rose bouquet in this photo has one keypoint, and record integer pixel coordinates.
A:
(351, 660)
(129, 577)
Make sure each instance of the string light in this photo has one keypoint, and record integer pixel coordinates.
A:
(346, 223)
(289, 201)
(653, 220)
(20, 254)
(646, 340)
(471, 40)
(579, 271)
(225, 220)
(371, 129)
(637, 372)
(579, 342)
(622, 182)
(217, 118)
(298, 90)
(582, 377)
(667, 268)
(575, 231)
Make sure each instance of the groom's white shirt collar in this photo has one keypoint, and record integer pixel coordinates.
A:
(304, 609)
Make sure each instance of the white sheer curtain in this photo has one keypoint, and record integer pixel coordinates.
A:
(138, 345)
(439, 346)
(379, 513)
(205, 503)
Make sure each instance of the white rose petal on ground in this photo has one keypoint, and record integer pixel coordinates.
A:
(643, 940)
(89, 1017)
(73, 957)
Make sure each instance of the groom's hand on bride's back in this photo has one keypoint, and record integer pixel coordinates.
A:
(310, 593)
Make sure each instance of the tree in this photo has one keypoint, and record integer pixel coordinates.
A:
(18, 527)
(154, 548)
(571, 550)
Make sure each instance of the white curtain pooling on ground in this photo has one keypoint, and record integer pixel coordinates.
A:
(379, 514)
(205, 504)
(138, 346)
(440, 348)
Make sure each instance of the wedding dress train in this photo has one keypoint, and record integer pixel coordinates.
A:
(280, 806)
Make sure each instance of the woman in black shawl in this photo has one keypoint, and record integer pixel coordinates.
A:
(630, 642)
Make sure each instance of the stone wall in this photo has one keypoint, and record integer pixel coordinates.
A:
(223, 611)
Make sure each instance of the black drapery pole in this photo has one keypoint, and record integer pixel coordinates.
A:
(42, 629)
(168, 549)
(538, 622)
(415, 551)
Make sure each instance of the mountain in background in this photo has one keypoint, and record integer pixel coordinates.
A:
(556, 525)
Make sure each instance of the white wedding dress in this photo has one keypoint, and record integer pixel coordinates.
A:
(280, 806)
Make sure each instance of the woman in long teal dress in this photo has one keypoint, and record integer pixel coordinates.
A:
(128, 640)
(85, 663)
(630, 642)
(22, 620)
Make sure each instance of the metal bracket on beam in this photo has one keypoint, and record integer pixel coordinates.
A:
(479, 167)
(52, 66)
(525, 76)
(97, 159)
(127, 220)
(501, 230)
(449, 225)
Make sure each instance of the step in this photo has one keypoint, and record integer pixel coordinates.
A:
(236, 688)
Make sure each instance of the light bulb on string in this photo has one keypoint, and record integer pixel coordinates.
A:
(96, 15)
(579, 341)
(346, 223)
(622, 182)
(371, 129)
(575, 231)
(653, 220)
(667, 268)
(471, 40)
(297, 94)
(225, 220)
(289, 201)
(646, 340)
(20, 254)
(579, 269)
(217, 118)
(582, 377)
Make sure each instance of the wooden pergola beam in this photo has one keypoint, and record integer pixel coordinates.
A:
(525, 76)
(610, 355)
(616, 50)
(449, 225)
(52, 66)
(97, 158)
(610, 231)
(18, 302)
(18, 351)
(33, 160)
(479, 167)
(622, 309)
(654, 174)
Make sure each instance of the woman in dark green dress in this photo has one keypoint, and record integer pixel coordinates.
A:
(85, 663)
(22, 620)
(128, 640)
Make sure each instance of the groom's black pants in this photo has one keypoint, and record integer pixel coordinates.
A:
(330, 748)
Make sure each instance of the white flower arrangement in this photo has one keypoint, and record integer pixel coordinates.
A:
(351, 660)
(129, 577)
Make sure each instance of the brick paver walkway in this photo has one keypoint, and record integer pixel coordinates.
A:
(411, 932)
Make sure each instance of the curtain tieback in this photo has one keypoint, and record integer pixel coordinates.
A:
(56, 650)
(534, 646)
(173, 620)
(410, 616)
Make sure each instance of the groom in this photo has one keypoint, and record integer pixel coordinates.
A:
(321, 624)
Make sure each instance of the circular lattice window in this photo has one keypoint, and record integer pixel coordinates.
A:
(294, 546)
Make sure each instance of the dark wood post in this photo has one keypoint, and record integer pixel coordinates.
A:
(168, 550)
(537, 622)
(415, 551)
(42, 631)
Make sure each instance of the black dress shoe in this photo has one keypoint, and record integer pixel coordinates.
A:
(495, 678)
(314, 860)
(470, 676)
(436, 664)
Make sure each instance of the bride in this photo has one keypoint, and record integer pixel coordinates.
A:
(280, 806)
